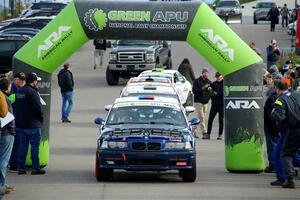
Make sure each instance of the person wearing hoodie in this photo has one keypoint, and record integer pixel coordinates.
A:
(66, 84)
(185, 68)
(273, 54)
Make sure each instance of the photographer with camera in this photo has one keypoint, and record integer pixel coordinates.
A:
(273, 54)
(201, 90)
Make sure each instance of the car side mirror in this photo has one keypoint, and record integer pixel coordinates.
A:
(195, 121)
(165, 44)
(189, 109)
(107, 107)
(99, 121)
(242, 6)
(253, 7)
(108, 44)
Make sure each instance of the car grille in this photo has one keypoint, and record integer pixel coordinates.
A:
(143, 146)
(145, 161)
(131, 57)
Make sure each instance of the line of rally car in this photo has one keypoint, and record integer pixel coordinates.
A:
(147, 129)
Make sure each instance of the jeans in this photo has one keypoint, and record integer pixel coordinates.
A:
(99, 55)
(6, 145)
(212, 114)
(276, 159)
(34, 137)
(286, 20)
(67, 104)
(13, 162)
(271, 142)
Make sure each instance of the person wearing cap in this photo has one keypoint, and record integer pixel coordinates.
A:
(273, 54)
(216, 106)
(285, 68)
(273, 15)
(254, 48)
(66, 84)
(18, 83)
(6, 140)
(29, 120)
(201, 90)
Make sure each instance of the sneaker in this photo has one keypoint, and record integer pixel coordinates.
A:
(269, 170)
(10, 188)
(206, 136)
(21, 172)
(289, 183)
(95, 66)
(219, 137)
(38, 172)
(277, 182)
(66, 121)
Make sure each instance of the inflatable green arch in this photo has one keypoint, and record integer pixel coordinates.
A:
(196, 23)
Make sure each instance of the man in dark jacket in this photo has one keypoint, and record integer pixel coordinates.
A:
(287, 111)
(7, 133)
(216, 106)
(273, 15)
(201, 90)
(66, 84)
(29, 119)
(273, 54)
(100, 48)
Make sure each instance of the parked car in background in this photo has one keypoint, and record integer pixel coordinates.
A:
(43, 9)
(261, 11)
(229, 10)
(31, 32)
(33, 22)
(9, 45)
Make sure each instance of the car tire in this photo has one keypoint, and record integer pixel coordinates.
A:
(254, 20)
(189, 175)
(112, 78)
(190, 100)
(169, 63)
(102, 174)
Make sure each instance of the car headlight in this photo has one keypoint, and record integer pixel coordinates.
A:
(112, 56)
(117, 145)
(178, 145)
(150, 57)
(104, 145)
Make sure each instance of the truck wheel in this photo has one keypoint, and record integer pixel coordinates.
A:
(169, 63)
(189, 100)
(189, 175)
(112, 78)
(101, 173)
(254, 20)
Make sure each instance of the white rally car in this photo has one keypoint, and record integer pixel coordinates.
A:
(178, 81)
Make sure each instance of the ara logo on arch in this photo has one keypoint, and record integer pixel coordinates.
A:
(53, 41)
(217, 43)
(242, 104)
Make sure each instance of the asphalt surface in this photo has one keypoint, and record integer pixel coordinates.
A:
(70, 173)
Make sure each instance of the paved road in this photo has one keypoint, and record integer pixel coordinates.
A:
(70, 171)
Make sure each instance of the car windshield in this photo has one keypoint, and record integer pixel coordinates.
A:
(30, 23)
(7, 46)
(146, 115)
(135, 42)
(151, 75)
(265, 5)
(45, 5)
(228, 4)
(135, 94)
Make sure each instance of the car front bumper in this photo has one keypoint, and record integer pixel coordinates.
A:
(128, 67)
(145, 160)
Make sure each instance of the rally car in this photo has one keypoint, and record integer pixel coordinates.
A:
(146, 133)
(178, 81)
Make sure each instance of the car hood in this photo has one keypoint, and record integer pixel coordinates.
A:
(138, 48)
(262, 10)
(168, 132)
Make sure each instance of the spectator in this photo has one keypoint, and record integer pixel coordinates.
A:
(287, 112)
(185, 68)
(201, 90)
(18, 83)
(216, 106)
(273, 15)
(100, 48)
(296, 82)
(29, 119)
(257, 51)
(275, 72)
(273, 54)
(6, 136)
(284, 12)
(66, 84)
(285, 68)
(268, 88)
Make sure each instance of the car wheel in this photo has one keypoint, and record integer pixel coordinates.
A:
(112, 78)
(101, 173)
(254, 20)
(189, 175)
(189, 100)
(169, 63)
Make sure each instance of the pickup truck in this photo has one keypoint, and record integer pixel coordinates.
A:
(128, 58)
